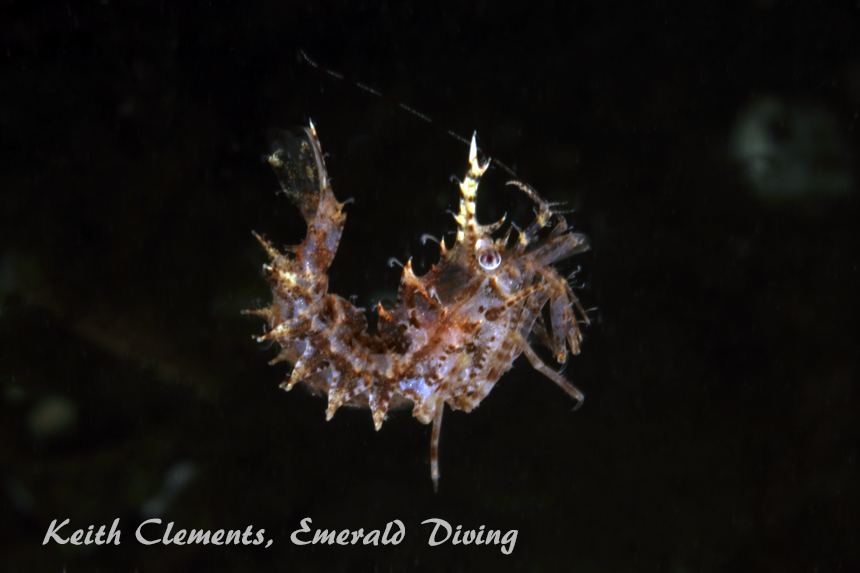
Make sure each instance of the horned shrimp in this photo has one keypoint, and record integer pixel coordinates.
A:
(452, 333)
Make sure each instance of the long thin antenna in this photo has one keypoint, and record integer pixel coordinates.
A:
(405, 107)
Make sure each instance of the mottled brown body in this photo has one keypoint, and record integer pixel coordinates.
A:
(452, 333)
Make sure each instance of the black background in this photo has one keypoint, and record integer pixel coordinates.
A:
(720, 428)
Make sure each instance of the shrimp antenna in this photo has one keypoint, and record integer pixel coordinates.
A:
(366, 88)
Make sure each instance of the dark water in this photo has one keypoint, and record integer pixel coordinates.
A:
(710, 153)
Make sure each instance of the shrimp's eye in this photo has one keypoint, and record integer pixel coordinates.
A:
(490, 259)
